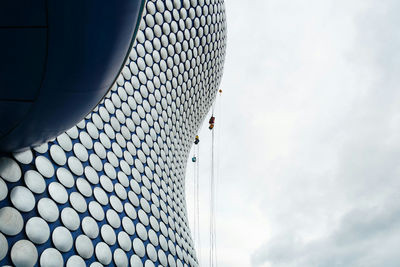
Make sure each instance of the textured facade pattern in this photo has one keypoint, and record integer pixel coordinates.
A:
(110, 191)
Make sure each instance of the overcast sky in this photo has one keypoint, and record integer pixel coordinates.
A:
(310, 136)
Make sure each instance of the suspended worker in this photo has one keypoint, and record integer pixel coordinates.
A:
(211, 122)
(194, 159)
(196, 140)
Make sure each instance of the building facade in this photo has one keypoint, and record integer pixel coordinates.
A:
(110, 190)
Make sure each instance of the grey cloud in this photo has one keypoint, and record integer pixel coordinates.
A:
(364, 237)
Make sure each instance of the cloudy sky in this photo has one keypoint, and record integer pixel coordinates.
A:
(309, 136)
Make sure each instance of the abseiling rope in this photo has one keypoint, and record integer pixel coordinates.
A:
(196, 202)
(213, 239)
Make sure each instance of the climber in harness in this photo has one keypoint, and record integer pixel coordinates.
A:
(211, 122)
(194, 159)
(196, 140)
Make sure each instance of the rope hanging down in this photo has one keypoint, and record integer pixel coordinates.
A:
(213, 188)
(196, 202)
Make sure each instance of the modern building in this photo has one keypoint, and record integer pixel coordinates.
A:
(109, 191)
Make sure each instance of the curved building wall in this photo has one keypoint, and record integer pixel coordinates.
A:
(110, 191)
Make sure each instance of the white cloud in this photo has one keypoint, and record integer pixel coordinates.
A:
(310, 135)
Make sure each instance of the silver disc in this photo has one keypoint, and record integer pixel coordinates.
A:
(22, 198)
(65, 177)
(138, 247)
(3, 190)
(103, 253)
(96, 211)
(78, 202)
(3, 246)
(90, 227)
(100, 196)
(141, 231)
(136, 261)
(113, 218)
(11, 222)
(84, 246)
(108, 234)
(37, 230)
(9, 170)
(124, 241)
(58, 192)
(58, 155)
(24, 253)
(48, 209)
(75, 261)
(62, 239)
(116, 204)
(128, 226)
(84, 187)
(70, 219)
(34, 181)
(120, 258)
(51, 257)
(25, 157)
(44, 166)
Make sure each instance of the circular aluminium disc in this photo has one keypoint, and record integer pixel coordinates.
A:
(51, 257)
(108, 234)
(3, 246)
(3, 189)
(130, 211)
(120, 258)
(136, 261)
(153, 237)
(75, 165)
(37, 230)
(65, 177)
(138, 247)
(91, 175)
(81, 152)
(96, 264)
(84, 187)
(34, 181)
(11, 222)
(113, 218)
(62, 239)
(120, 191)
(151, 252)
(70, 219)
(141, 231)
(44, 166)
(96, 211)
(22, 198)
(65, 142)
(41, 148)
(124, 241)
(24, 157)
(58, 192)
(100, 196)
(9, 170)
(78, 202)
(48, 209)
(116, 204)
(24, 253)
(58, 155)
(103, 253)
(128, 225)
(143, 217)
(162, 257)
(84, 246)
(133, 198)
(106, 183)
(75, 261)
(149, 263)
(90, 227)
